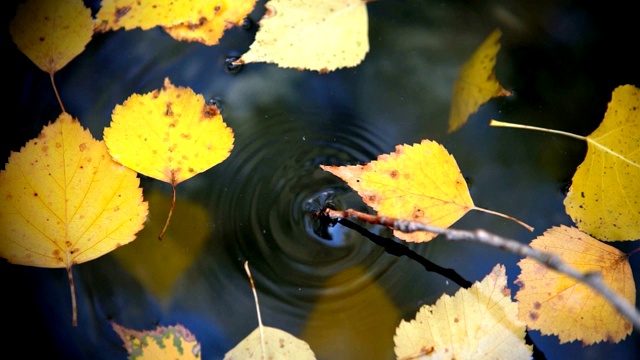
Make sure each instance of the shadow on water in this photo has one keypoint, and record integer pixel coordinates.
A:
(342, 288)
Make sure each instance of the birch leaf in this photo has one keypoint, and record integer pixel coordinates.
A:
(64, 201)
(476, 323)
(557, 304)
(604, 197)
(169, 134)
(52, 33)
(322, 35)
(421, 183)
(476, 83)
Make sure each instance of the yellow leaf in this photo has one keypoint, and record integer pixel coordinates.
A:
(558, 304)
(279, 345)
(476, 323)
(164, 262)
(604, 197)
(420, 183)
(169, 134)
(209, 30)
(321, 35)
(64, 200)
(476, 83)
(364, 319)
(52, 33)
(171, 342)
(146, 14)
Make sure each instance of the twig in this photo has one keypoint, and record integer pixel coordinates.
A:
(592, 279)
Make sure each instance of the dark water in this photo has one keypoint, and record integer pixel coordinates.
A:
(329, 285)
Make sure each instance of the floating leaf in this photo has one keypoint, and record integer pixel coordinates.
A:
(364, 319)
(169, 134)
(170, 342)
(419, 183)
(65, 201)
(52, 33)
(209, 30)
(604, 197)
(162, 264)
(146, 14)
(558, 304)
(267, 342)
(280, 345)
(321, 35)
(476, 323)
(476, 83)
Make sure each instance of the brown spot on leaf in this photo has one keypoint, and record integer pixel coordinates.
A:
(121, 11)
(537, 305)
(456, 320)
(169, 111)
(210, 111)
(372, 198)
(506, 291)
(185, 136)
(393, 174)
(534, 316)
(82, 146)
(155, 93)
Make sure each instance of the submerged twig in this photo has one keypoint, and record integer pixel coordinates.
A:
(592, 279)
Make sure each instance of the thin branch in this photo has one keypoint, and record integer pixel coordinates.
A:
(592, 279)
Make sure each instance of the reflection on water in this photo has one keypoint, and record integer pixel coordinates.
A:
(327, 284)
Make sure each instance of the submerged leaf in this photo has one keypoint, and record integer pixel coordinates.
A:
(476, 323)
(52, 33)
(557, 304)
(476, 83)
(162, 264)
(320, 35)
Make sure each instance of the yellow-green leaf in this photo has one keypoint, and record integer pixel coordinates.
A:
(52, 33)
(476, 83)
(321, 35)
(476, 323)
(557, 304)
(64, 201)
(169, 134)
(165, 342)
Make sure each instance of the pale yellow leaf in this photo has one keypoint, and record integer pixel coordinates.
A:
(476, 323)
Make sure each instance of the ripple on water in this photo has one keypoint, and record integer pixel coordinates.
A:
(267, 191)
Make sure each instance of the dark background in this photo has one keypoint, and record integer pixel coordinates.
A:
(562, 60)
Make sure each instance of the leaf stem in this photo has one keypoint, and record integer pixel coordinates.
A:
(74, 306)
(255, 296)
(55, 90)
(525, 225)
(173, 204)
(520, 126)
